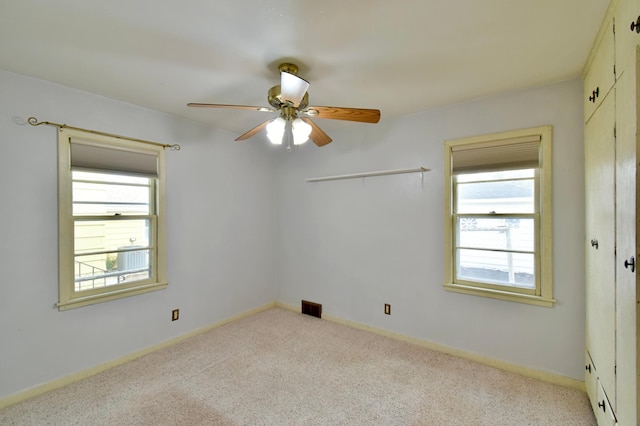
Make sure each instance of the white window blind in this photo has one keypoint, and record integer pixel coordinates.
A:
(507, 154)
(90, 156)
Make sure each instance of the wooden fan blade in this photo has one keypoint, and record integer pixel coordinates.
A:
(318, 136)
(339, 113)
(253, 108)
(255, 130)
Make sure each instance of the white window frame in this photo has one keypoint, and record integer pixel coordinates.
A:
(543, 247)
(69, 297)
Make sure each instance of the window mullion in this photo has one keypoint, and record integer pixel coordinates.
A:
(112, 217)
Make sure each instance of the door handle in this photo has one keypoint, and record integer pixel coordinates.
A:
(635, 26)
(631, 263)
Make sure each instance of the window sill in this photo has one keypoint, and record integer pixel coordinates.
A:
(501, 295)
(106, 296)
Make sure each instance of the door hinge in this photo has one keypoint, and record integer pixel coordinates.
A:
(615, 132)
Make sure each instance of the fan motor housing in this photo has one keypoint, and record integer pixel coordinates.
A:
(275, 98)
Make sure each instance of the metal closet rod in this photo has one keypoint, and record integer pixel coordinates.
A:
(369, 174)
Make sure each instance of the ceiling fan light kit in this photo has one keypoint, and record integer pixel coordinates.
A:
(291, 99)
(279, 130)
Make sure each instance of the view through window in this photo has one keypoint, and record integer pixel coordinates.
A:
(112, 215)
(495, 228)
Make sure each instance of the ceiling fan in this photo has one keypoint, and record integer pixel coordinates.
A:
(291, 99)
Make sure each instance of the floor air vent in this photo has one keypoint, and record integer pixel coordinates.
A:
(313, 309)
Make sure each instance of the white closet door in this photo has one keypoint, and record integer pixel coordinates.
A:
(626, 242)
(600, 252)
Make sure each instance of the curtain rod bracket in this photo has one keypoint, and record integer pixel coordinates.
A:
(34, 122)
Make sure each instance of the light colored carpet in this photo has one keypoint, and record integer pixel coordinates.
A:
(282, 368)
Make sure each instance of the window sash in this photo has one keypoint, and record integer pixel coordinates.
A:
(151, 247)
(150, 200)
(494, 284)
(465, 204)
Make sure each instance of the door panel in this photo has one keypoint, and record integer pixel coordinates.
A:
(600, 77)
(626, 39)
(626, 241)
(604, 413)
(591, 381)
(600, 252)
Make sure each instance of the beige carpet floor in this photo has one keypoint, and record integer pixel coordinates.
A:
(282, 368)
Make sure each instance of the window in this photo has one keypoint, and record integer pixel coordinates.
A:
(111, 218)
(498, 216)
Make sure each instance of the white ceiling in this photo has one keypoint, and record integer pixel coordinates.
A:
(397, 56)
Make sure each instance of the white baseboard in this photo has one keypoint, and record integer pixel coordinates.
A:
(514, 368)
(63, 381)
(525, 371)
